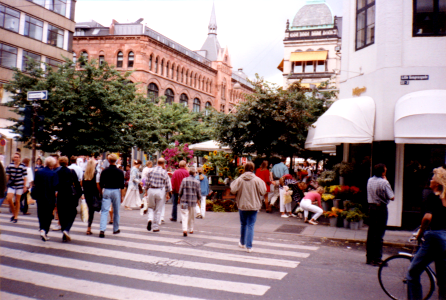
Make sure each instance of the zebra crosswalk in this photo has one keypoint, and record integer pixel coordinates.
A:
(137, 264)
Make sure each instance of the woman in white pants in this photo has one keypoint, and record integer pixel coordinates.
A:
(308, 204)
(204, 185)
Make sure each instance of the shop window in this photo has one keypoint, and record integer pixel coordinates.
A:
(33, 28)
(169, 96)
(26, 56)
(365, 23)
(184, 99)
(152, 92)
(131, 59)
(101, 60)
(429, 17)
(197, 104)
(9, 18)
(55, 36)
(120, 60)
(8, 56)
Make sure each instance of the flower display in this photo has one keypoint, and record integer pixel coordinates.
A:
(326, 197)
(333, 213)
(173, 155)
(223, 163)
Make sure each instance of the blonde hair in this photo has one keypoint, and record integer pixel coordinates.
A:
(440, 178)
(90, 169)
(320, 190)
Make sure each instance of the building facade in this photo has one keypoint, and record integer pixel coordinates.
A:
(162, 67)
(393, 57)
(40, 29)
(312, 46)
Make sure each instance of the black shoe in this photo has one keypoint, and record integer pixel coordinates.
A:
(373, 263)
(184, 233)
(64, 238)
(149, 225)
(117, 231)
(173, 220)
(12, 219)
(101, 234)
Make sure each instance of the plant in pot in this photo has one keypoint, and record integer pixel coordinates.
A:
(327, 202)
(343, 215)
(354, 217)
(332, 216)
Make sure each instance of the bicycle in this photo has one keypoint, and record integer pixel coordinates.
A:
(393, 271)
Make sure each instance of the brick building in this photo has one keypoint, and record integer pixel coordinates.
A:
(163, 67)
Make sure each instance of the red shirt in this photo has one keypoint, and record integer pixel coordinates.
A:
(265, 176)
(177, 178)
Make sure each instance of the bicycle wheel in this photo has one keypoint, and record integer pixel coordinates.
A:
(392, 278)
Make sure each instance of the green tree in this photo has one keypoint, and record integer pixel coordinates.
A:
(272, 120)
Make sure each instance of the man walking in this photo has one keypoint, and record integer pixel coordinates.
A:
(379, 193)
(158, 184)
(45, 192)
(112, 181)
(16, 177)
(189, 193)
(278, 171)
(177, 178)
(73, 166)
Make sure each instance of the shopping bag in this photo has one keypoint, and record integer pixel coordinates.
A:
(287, 199)
(84, 211)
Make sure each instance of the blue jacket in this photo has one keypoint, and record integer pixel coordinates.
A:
(46, 183)
(279, 170)
(204, 184)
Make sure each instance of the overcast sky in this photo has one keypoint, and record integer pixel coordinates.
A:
(253, 30)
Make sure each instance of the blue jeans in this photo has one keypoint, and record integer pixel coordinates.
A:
(247, 221)
(433, 249)
(174, 206)
(110, 197)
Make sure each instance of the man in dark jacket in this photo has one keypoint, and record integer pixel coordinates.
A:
(45, 192)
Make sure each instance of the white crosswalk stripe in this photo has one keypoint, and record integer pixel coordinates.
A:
(25, 260)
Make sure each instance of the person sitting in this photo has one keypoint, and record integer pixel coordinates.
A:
(309, 202)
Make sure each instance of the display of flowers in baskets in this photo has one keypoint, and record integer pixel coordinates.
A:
(221, 164)
(344, 192)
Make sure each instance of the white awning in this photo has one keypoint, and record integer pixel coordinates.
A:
(8, 134)
(209, 146)
(349, 121)
(420, 118)
(309, 142)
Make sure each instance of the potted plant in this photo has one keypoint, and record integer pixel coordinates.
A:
(327, 202)
(332, 216)
(354, 217)
(343, 215)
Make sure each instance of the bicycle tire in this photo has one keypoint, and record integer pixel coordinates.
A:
(392, 278)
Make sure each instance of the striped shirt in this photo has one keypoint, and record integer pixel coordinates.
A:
(158, 178)
(16, 176)
(190, 191)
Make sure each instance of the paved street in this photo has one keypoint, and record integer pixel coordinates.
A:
(138, 264)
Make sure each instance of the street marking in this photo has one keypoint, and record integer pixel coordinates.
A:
(204, 283)
(143, 258)
(9, 296)
(258, 250)
(91, 288)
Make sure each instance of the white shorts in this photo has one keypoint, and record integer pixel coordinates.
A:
(16, 192)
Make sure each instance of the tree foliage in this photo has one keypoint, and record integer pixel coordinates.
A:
(272, 120)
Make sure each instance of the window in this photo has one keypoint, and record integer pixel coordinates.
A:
(207, 107)
(429, 17)
(223, 91)
(184, 99)
(167, 69)
(33, 28)
(196, 107)
(55, 36)
(152, 92)
(320, 66)
(365, 23)
(182, 75)
(25, 59)
(101, 60)
(156, 65)
(84, 54)
(173, 71)
(150, 62)
(9, 18)
(39, 2)
(298, 67)
(120, 60)
(74, 57)
(309, 67)
(178, 73)
(8, 56)
(58, 6)
(162, 67)
(222, 108)
(131, 60)
(169, 96)
(54, 64)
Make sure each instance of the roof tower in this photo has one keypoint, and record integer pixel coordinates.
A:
(211, 46)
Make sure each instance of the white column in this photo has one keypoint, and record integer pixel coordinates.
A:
(396, 207)
(65, 40)
(68, 10)
(22, 23)
(19, 58)
(45, 32)
(43, 59)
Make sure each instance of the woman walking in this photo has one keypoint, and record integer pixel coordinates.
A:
(264, 174)
(249, 190)
(308, 204)
(69, 192)
(132, 198)
(92, 193)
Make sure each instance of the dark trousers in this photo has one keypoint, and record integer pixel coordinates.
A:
(377, 228)
(174, 206)
(45, 213)
(67, 213)
(89, 201)
(24, 202)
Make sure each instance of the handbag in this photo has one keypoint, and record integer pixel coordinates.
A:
(140, 189)
(97, 203)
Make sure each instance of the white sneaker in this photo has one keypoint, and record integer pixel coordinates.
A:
(241, 246)
(43, 235)
(56, 227)
(293, 216)
(66, 236)
(284, 216)
(249, 250)
(312, 222)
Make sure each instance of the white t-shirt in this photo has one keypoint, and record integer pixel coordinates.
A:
(29, 176)
(78, 171)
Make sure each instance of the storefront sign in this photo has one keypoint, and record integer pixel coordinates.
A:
(414, 77)
(358, 91)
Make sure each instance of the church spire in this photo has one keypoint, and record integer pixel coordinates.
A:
(213, 22)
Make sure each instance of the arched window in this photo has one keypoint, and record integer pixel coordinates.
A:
(178, 73)
(152, 92)
(210, 87)
(162, 67)
(120, 60)
(173, 71)
(156, 65)
(182, 75)
(74, 57)
(84, 54)
(131, 60)
(167, 69)
(196, 107)
(207, 107)
(184, 99)
(169, 96)
(150, 62)
(222, 108)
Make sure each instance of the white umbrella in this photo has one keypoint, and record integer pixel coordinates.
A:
(209, 146)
